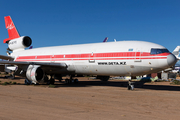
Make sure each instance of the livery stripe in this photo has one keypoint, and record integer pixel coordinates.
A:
(95, 56)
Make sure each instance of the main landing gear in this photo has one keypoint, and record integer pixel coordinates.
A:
(50, 79)
(67, 81)
(71, 80)
(103, 78)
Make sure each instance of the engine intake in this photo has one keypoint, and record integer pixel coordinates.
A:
(34, 73)
(19, 43)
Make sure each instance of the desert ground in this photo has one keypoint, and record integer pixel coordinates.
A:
(90, 99)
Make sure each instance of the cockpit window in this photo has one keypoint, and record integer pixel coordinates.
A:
(159, 51)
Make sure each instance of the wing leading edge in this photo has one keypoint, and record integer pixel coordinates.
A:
(45, 64)
(6, 57)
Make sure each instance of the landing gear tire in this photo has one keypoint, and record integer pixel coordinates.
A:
(103, 78)
(12, 77)
(75, 80)
(70, 81)
(27, 82)
(67, 81)
(130, 85)
(51, 81)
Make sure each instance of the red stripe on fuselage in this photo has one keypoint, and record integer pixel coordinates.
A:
(96, 56)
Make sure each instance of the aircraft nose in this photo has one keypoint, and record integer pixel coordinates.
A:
(171, 60)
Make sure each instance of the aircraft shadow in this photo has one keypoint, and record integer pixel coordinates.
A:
(162, 87)
(124, 84)
(9, 78)
(121, 84)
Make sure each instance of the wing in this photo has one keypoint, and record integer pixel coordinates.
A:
(49, 68)
(45, 64)
(6, 57)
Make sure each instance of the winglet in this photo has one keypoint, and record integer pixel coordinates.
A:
(12, 31)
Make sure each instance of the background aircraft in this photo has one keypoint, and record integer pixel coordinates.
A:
(105, 40)
(176, 52)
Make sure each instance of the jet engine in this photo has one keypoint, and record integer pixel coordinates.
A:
(19, 43)
(34, 73)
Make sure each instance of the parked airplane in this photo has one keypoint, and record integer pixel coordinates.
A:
(175, 68)
(105, 40)
(176, 52)
(123, 58)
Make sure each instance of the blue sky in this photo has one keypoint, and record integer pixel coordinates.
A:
(64, 22)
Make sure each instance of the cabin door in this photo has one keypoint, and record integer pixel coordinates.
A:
(52, 58)
(91, 58)
(138, 55)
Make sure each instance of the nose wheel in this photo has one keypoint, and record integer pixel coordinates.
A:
(130, 85)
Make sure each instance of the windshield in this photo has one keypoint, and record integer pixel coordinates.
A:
(159, 51)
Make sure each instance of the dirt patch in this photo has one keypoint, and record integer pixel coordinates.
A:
(89, 99)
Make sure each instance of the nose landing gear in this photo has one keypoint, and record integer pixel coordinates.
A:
(130, 85)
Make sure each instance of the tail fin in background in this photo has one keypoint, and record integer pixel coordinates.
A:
(176, 52)
(30, 47)
(12, 31)
(105, 40)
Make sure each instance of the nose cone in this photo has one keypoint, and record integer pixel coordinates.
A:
(171, 60)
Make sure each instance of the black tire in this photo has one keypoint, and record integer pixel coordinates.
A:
(52, 81)
(75, 80)
(104, 78)
(27, 82)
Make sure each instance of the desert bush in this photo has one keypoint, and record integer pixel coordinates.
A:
(176, 82)
(5, 83)
(52, 86)
(14, 83)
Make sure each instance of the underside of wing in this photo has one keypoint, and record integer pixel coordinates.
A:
(6, 57)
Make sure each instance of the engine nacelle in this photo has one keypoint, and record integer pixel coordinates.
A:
(34, 73)
(19, 43)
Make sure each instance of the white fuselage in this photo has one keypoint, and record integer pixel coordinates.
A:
(110, 58)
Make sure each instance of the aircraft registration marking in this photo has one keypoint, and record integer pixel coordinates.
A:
(111, 63)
